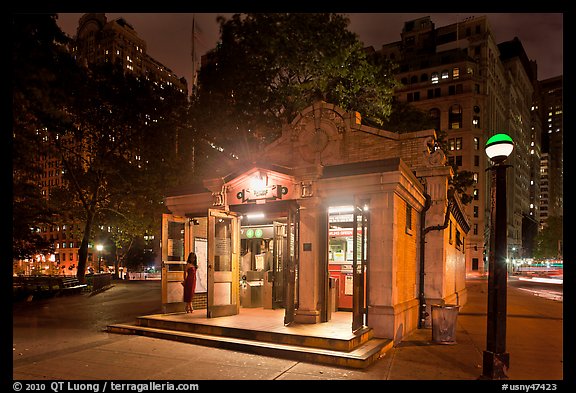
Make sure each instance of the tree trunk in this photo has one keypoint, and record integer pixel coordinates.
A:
(83, 251)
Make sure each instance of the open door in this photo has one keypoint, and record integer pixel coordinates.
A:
(278, 264)
(223, 263)
(291, 258)
(359, 262)
(175, 246)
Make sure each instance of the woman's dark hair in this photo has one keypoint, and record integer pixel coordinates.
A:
(192, 259)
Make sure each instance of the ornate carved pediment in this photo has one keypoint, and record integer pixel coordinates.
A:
(318, 132)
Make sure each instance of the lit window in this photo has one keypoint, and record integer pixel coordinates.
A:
(434, 77)
(445, 74)
(455, 72)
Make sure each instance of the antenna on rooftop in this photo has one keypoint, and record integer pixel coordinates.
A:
(193, 82)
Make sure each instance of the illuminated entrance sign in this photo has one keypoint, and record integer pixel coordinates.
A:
(260, 186)
(272, 192)
(260, 232)
(254, 233)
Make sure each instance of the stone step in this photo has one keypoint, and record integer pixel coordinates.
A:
(171, 322)
(361, 356)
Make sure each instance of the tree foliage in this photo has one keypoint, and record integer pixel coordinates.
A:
(116, 138)
(407, 118)
(549, 239)
(39, 82)
(463, 180)
(118, 156)
(269, 66)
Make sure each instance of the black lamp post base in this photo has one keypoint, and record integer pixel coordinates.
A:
(495, 365)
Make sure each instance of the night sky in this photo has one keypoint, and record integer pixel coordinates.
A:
(168, 35)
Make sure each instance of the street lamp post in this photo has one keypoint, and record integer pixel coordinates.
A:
(496, 360)
(99, 247)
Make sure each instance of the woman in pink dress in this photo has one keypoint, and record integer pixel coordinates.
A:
(190, 281)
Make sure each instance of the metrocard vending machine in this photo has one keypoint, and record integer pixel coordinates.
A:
(344, 295)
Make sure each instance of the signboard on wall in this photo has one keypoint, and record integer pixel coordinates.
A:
(260, 186)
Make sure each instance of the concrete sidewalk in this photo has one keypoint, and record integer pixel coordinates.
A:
(534, 341)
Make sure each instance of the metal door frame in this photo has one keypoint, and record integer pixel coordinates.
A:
(173, 270)
(291, 259)
(359, 268)
(228, 276)
(279, 263)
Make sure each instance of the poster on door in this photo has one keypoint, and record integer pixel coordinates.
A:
(201, 250)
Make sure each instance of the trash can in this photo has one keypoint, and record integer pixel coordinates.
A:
(444, 323)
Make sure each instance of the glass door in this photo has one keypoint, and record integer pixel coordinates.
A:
(223, 263)
(359, 262)
(278, 264)
(175, 244)
(290, 261)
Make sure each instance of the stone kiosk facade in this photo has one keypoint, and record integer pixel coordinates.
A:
(409, 230)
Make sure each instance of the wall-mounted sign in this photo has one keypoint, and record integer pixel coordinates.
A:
(344, 232)
(341, 218)
(271, 193)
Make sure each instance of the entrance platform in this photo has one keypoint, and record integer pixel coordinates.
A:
(262, 331)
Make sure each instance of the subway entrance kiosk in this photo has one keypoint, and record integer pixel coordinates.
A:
(230, 256)
(331, 200)
(254, 242)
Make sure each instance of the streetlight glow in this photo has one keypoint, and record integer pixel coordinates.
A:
(499, 147)
(495, 359)
(99, 247)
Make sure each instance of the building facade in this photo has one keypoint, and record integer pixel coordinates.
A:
(97, 41)
(473, 88)
(355, 218)
(552, 174)
(101, 41)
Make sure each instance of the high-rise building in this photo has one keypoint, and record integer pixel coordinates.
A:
(550, 106)
(101, 41)
(474, 88)
(97, 40)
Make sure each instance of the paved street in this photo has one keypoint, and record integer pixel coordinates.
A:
(48, 327)
(63, 339)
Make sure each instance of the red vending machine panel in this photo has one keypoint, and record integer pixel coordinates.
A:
(344, 275)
